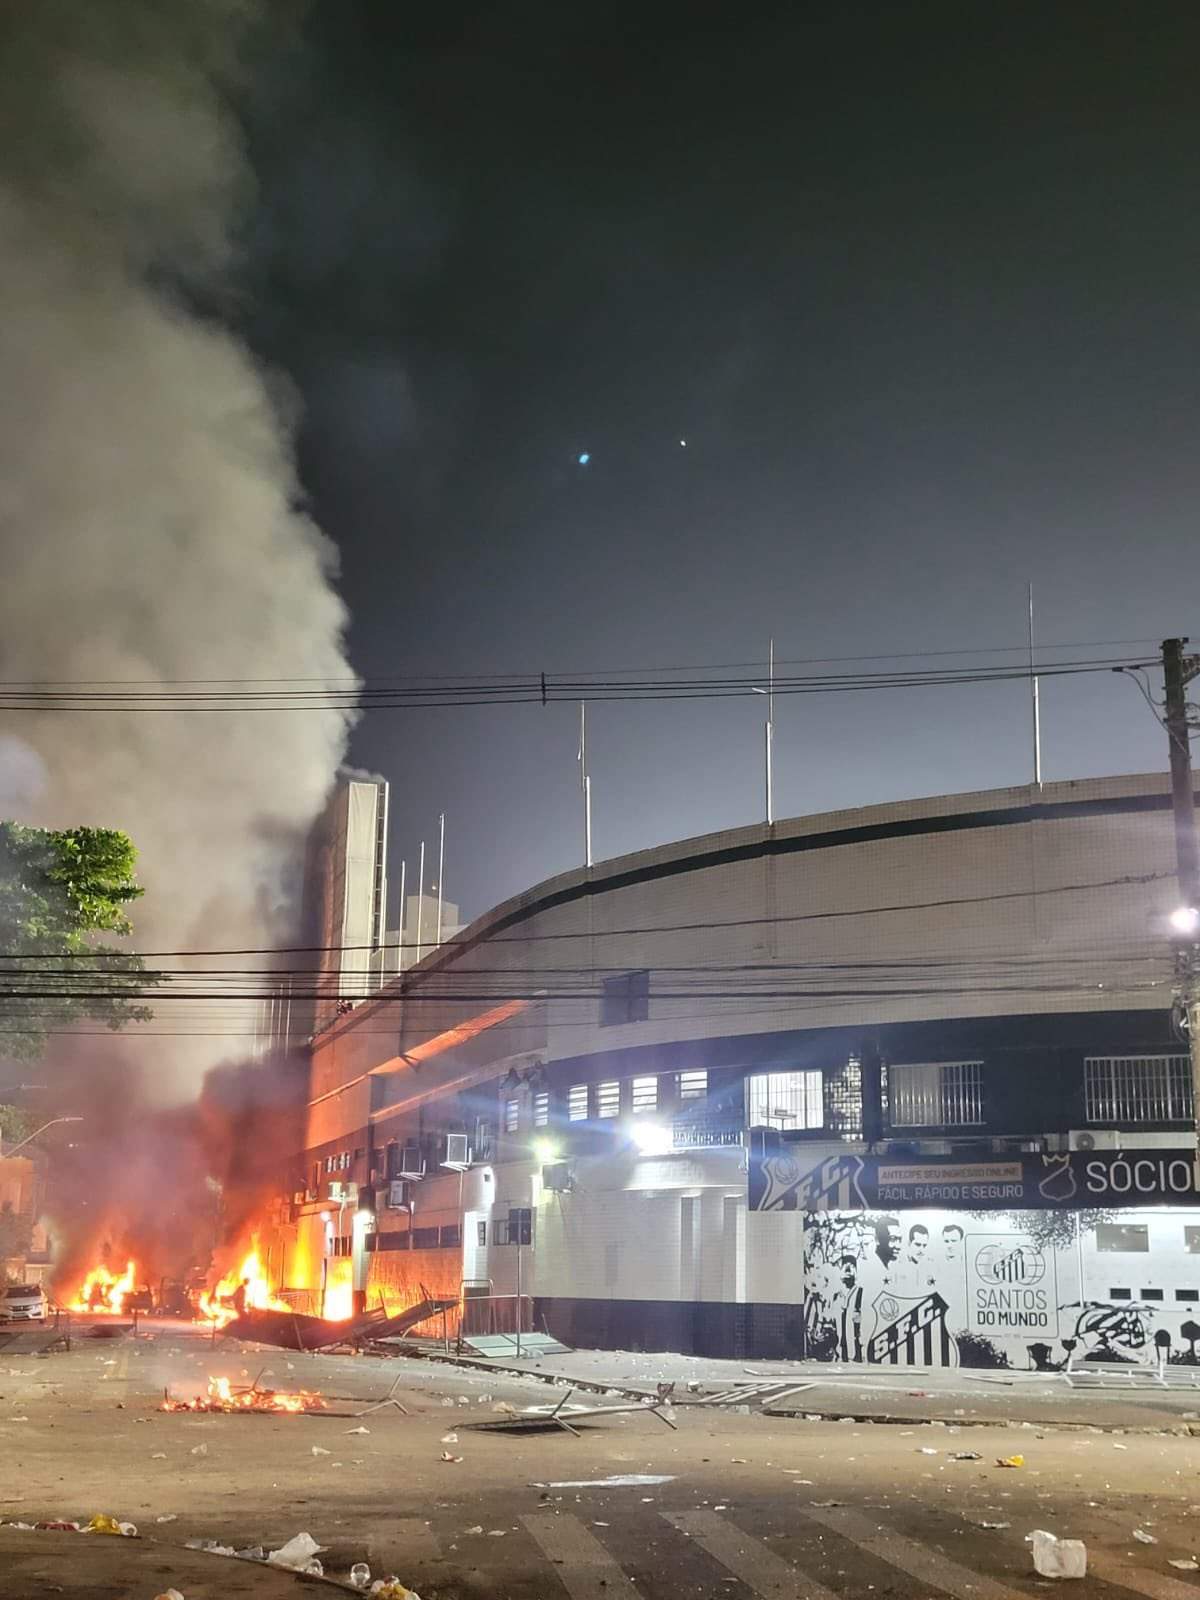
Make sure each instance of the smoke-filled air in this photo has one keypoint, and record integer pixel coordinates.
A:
(149, 506)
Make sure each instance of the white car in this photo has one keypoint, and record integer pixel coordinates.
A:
(23, 1302)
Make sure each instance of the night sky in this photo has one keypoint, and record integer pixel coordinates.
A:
(918, 284)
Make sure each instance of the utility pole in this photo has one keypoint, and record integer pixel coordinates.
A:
(585, 783)
(1178, 671)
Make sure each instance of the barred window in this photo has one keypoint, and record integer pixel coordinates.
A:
(608, 1098)
(512, 1115)
(644, 1094)
(1128, 1089)
(936, 1094)
(786, 1100)
(541, 1108)
(693, 1084)
(577, 1102)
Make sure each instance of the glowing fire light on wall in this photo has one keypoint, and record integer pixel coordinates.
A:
(104, 1292)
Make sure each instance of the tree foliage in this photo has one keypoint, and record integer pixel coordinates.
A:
(16, 1232)
(59, 889)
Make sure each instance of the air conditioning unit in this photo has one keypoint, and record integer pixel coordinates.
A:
(557, 1178)
(1155, 1141)
(1085, 1139)
(458, 1152)
(399, 1196)
(412, 1162)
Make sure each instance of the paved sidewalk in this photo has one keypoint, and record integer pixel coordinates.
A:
(899, 1394)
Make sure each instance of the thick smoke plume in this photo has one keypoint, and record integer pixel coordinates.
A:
(148, 499)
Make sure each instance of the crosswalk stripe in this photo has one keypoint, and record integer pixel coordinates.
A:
(415, 1537)
(918, 1560)
(582, 1564)
(1142, 1580)
(758, 1567)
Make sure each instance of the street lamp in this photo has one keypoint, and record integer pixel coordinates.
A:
(1185, 919)
(34, 1134)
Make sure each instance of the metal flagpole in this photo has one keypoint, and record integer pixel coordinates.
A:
(421, 902)
(1034, 702)
(441, 870)
(770, 733)
(403, 908)
(585, 783)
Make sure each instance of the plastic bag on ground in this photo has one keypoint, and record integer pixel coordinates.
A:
(296, 1553)
(103, 1524)
(360, 1575)
(1058, 1558)
(392, 1589)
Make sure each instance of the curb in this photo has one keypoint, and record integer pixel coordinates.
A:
(1181, 1430)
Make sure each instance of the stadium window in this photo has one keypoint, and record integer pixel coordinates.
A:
(1132, 1089)
(936, 1094)
(512, 1115)
(577, 1102)
(1122, 1238)
(693, 1084)
(625, 998)
(644, 1094)
(608, 1098)
(787, 1100)
(541, 1108)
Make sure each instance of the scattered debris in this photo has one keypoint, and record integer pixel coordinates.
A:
(1057, 1558)
(1185, 1565)
(360, 1575)
(319, 1450)
(199, 1450)
(101, 1523)
(358, 1430)
(996, 1526)
(1143, 1537)
(965, 1455)
(168, 1516)
(169, 1594)
(926, 1450)
(446, 1456)
(296, 1554)
(625, 1480)
(449, 1438)
(1010, 1461)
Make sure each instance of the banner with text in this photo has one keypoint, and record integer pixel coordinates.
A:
(788, 1179)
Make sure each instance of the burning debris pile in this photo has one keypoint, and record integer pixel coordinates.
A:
(246, 1288)
(221, 1396)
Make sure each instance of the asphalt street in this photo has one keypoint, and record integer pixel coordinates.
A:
(748, 1506)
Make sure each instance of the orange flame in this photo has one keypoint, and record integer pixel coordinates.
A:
(221, 1396)
(103, 1291)
(220, 1304)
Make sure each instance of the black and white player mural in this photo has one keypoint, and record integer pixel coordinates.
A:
(980, 1286)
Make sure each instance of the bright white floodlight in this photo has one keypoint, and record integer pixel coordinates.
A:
(1185, 919)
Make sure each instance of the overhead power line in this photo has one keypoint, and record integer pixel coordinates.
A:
(453, 948)
(522, 689)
